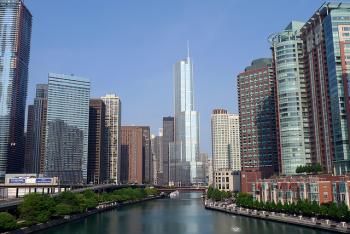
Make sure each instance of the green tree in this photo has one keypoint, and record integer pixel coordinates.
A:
(37, 208)
(332, 210)
(63, 209)
(315, 208)
(210, 192)
(70, 199)
(7, 222)
(342, 212)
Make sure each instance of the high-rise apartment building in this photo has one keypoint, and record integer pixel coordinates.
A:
(327, 51)
(168, 137)
(113, 128)
(186, 123)
(135, 144)
(157, 158)
(39, 128)
(36, 132)
(293, 111)
(316, 73)
(147, 164)
(29, 140)
(225, 140)
(257, 120)
(15, 34)
(67, 126)
(97, 156)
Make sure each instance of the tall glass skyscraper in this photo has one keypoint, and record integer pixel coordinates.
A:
(67, 128)
(336, 26)
(186, 124)
(15, 34)
(293, 113)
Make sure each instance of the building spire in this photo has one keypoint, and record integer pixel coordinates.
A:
(188, 49)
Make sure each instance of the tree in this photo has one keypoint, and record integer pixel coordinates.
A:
(315, 208)
(7, 222)
(70, 199)
(342, 212)
(37, 208)
(210, 192)
(63, 209)
(332, 210)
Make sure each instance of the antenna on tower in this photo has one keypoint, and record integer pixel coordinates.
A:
(188, 49)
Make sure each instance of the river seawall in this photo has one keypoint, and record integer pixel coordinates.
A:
(72, 218)
(282, 218)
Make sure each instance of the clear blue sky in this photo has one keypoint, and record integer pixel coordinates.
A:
(129, 47)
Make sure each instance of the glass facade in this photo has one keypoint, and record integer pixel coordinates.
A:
(67, 128)
(39, 129)
(186, 124)
(336, 25)
(15, 34)
(292, 107)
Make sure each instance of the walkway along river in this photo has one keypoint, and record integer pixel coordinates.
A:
(185, 215)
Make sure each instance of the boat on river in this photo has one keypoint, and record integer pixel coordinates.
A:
(175, 194)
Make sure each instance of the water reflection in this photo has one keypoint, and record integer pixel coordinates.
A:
(185, 215)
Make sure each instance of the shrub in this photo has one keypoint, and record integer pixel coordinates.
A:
(7, 222)
(37, 208)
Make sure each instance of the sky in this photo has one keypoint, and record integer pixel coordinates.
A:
(129, 48)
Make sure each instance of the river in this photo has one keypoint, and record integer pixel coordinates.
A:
(185, 215)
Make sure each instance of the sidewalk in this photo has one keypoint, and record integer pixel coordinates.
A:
(281, 217)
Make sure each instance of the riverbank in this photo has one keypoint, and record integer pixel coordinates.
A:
(314, 223)
(71, 218)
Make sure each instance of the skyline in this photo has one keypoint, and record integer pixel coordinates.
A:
(165, 30)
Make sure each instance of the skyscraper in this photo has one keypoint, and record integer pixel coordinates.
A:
(168, 137)
(186, 123)
(15, 34)
(292, 97)
(67, 128)
(39, 128)
(157, 158)
(29, 141)
(225, 140)
(135, 144)
(113, 128)
(327, 36)
(98, 157)
(36, 132)
(147, 177)
(257, 120)
(316, 73)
